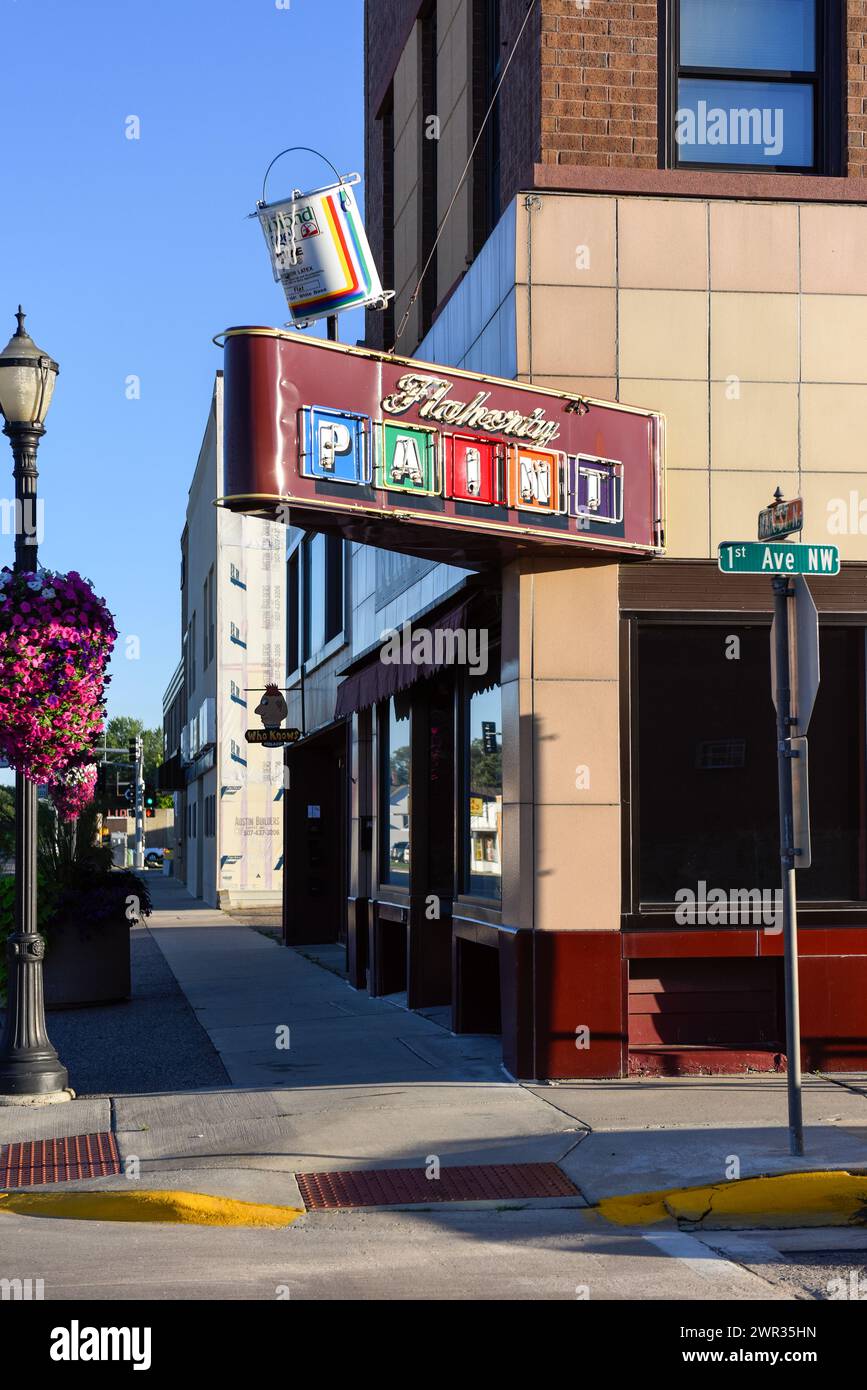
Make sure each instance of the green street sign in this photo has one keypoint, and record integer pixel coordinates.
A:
(777, 557)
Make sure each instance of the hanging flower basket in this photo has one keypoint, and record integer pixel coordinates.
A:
(73, 790)
(56, 637)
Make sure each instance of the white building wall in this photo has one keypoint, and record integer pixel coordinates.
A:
(240, 862)
(251, 620)
(201, 680)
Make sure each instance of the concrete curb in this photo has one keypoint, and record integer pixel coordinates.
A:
(825, 1198)
(177, 1208)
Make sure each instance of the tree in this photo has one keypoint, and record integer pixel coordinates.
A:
(7, 822)
(123, 727)
(486, 769)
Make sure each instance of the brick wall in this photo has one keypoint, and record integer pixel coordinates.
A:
(520, 101)
(599, 83)
(856, 88)
(387, 28)
(387, 24)
(581, 91)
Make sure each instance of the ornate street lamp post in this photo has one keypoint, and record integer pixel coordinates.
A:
(30, 1070)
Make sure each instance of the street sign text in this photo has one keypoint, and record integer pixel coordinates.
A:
(780, 557)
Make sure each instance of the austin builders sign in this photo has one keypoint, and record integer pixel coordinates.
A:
(433, 461)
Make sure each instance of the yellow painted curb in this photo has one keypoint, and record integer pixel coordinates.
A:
(793, 1199)
(177, 1208)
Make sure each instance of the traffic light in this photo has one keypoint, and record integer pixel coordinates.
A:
(150, 802)
(102, 779)
(489, 736)
(133, 750)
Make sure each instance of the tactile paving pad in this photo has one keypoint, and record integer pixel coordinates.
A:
(385, 1187)
(38, 1161)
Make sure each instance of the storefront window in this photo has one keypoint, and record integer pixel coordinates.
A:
(483, 816)
(395, 808)
(707, 766)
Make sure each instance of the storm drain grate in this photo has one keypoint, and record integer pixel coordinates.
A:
(38, 1161)
(385, 1187)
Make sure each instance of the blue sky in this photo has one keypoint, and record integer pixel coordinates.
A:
(129, 255)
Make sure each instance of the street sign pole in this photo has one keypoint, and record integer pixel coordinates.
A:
(138, 855)
(783, 604)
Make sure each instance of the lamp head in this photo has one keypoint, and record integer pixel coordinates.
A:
(27, 377)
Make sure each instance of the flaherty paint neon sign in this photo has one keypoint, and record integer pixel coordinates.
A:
(432, 395)
(435, 462)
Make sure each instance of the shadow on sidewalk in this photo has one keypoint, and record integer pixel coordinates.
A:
(152, 1042)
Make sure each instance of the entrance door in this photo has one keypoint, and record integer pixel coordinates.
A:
(315, 840)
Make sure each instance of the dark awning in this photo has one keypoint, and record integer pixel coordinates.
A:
(379, 679)
(170, 775)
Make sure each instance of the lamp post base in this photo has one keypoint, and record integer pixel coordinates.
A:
(34, 1098)
(29, 1065)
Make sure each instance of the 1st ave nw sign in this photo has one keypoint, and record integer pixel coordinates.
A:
(777, 557)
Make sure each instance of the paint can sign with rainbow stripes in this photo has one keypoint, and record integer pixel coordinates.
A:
(320, 253)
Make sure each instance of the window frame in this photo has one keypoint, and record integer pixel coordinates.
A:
(211, 616)
(337, 596)
(826, 81)
(463, 857)
(487, 170)
(206, 661)
(293, 612)
(386, 880)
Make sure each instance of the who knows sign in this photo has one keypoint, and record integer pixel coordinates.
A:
(435, 462)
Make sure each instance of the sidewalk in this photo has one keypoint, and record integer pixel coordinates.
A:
(363, 1083)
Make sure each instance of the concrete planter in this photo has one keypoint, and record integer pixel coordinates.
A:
(87, 963)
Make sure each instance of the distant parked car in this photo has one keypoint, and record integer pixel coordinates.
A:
(154, 859)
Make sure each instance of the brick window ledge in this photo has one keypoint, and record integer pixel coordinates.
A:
(699, 183)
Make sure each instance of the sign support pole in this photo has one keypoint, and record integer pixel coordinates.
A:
(783, 598)
(138, 854)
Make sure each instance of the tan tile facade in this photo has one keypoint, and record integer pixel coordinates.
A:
(561, 774)
(744, 323)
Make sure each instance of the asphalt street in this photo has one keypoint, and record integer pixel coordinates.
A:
(189, 1078)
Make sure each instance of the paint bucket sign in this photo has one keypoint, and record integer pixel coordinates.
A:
(320, 253)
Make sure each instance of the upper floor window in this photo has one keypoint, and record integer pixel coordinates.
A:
(487, 69)
(212, 644)
(322, 559)
(749, 84)
(293, 624)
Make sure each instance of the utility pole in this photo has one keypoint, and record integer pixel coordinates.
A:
(136, 762)
(138, 854)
